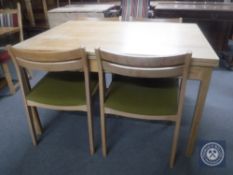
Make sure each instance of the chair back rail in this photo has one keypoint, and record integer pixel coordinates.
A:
(143, 66)
(140, 72)
(48, 61)
(142, 60)
(51, 66)
(48, 56)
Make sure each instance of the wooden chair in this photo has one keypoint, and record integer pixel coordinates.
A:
(171, 20)
(63, 88)
(10, 22)
(159, 97)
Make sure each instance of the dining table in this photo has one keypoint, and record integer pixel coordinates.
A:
(137, 38)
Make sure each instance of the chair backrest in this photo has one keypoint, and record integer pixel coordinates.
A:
(170, 20)
(50, 61)
(143, 66)
(175, 66)
(134, 8)
(12, 18)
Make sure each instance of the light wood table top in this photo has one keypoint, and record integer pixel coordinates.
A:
(83, 8)
(7, 30)
(144, 38)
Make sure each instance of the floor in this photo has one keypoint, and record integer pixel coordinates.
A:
(135, 147)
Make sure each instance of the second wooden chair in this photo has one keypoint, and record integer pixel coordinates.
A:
(160, 96)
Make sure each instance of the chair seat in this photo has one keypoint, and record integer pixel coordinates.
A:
(145, 97)
(61, 89)
(4, 56)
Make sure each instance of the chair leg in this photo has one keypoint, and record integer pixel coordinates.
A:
(103, 134)
(90, 131)
(174, 144)
(36, 121)
(31, 124)
(8, 78)
(30, 74)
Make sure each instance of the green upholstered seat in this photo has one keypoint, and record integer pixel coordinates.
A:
(146, 97)
(61, 89)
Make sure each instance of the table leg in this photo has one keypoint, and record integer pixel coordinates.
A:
(204, 75)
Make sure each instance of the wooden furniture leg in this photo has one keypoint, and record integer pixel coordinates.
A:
(31, 124)
(31, 17)
(45, 9)
(36, 121)
(8, 78)
(204, 75)
(174, 143)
